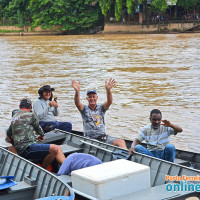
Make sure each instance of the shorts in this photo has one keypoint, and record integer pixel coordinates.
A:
(36, 151)
(110, 139)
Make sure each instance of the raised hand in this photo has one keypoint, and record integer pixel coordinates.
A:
(76, 85)
(166, 123)
(110, 84)
(53, 104)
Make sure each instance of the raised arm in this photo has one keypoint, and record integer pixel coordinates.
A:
(77, 101)
(169, 124)
(109, 86)
(37, 127)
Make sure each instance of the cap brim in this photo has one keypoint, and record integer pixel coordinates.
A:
(91, 92)
(41, 90)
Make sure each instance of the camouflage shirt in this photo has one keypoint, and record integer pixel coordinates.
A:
(24, 126)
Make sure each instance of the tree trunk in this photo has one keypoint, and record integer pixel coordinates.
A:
(146, 12)
(175, 10)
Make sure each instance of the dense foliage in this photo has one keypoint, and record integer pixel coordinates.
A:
(15, 12)
(188, 4)
(77, 15)
(70, 15)
(159, 5)
(154, 6)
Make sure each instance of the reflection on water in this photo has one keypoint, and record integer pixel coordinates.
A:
(152, 71)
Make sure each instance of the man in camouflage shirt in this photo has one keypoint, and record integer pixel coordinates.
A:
(22, 131)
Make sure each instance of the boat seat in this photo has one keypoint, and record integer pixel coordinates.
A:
(158, 193)
(22, 191)
(66, 179)
(53, 137)
(180, 161)
(67, 149)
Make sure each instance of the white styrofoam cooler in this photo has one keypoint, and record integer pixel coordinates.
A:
(112, 180)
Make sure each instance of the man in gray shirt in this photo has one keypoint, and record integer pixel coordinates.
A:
(46, 110)
(157, 136)
(93, 114)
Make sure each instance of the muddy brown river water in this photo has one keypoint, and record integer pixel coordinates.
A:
(152, 71)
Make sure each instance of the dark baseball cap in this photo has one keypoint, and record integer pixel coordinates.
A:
(25, 102)
(45, 88)
(91, 91)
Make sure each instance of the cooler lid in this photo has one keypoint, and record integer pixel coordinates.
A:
(110, 171)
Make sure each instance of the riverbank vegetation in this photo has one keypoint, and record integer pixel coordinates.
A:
(78, 16)
(150, 10)
(73, 16)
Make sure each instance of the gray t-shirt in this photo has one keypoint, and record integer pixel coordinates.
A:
(93, 121)
(43, 111)
(156, 139)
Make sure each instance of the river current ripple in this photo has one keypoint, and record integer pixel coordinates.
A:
(152, 71)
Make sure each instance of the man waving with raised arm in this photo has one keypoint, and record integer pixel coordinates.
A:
(93, 114)
(157, 136)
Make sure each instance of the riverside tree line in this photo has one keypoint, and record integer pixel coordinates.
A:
(80, 15)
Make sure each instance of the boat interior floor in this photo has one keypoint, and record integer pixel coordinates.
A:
(159, 193)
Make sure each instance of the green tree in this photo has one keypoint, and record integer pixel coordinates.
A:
(159, 5)
(3, 10)
(105, 6)
(188, 4)
(131, 5)
(19, 10)
(69, 15)
(15, 12)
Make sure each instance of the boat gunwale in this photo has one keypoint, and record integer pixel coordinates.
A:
(62, 183)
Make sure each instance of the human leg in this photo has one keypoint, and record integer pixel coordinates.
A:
(120, 143)
(115, 141)
(158, 154)
(140, 149)
(46, 152)
(65, 126)
(38, 152)
(169, 152)
(55, 152)
(47, 126)
(60, 157)
(48, 160)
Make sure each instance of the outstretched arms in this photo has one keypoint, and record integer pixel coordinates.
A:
(77, 101)
(109, 86)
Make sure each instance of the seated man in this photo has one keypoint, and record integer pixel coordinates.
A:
(46, 110)
(93, 114)
(22, 131)
(77, 161)
(157, 137)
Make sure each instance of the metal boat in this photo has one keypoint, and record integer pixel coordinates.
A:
(30, 180)
(43, 183)
(185, 158)
(71, 143)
